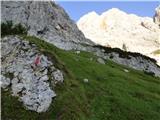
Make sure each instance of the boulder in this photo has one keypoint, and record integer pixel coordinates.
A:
(29, 83)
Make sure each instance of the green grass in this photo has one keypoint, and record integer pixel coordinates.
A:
(110, 94)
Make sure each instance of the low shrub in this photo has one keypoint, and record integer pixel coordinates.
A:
(8, 28)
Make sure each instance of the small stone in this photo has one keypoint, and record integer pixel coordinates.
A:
(100, 60)
(91, 59)
(58, 76)
(85, 80)
(77, 52)
(125, 70)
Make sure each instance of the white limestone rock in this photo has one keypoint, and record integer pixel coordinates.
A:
(77, 52)
(125, 70)
(100, 60)
(58, 76)
(114, 28)
(29, 83)
(85, 80)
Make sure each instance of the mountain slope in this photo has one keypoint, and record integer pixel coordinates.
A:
(50, 22)
(112, 92)
(117, 29)
(42, 82)
(45, 20)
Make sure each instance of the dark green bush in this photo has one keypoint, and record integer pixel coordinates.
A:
(149, 73)
(8, 28)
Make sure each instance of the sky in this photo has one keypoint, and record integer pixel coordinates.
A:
(77, 9)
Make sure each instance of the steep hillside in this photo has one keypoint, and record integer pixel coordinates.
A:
(50, 71)
(91, 90)
(129, 32)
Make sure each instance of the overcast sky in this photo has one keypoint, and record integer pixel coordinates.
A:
(77, 9)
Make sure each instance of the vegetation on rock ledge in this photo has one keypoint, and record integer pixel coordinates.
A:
(8, 28)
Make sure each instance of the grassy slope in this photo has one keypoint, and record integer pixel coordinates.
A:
(110, 94)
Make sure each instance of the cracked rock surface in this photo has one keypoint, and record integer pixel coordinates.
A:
(30, 83)
(46, 20)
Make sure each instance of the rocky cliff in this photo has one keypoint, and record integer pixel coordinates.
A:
(45, 20)
(117, 29)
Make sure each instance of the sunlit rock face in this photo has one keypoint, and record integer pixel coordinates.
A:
(157, 16)
(115, 28)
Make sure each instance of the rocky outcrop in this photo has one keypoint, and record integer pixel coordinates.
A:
(117, 29)
(26, 80)
(45, 20)
(157, 16)
(133, 60)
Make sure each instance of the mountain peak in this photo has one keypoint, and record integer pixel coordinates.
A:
(115, 28)
(114, 11)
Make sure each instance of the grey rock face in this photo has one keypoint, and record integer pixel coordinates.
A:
(157, 16)
(45, 20)
(136, 62)
(28, 82)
